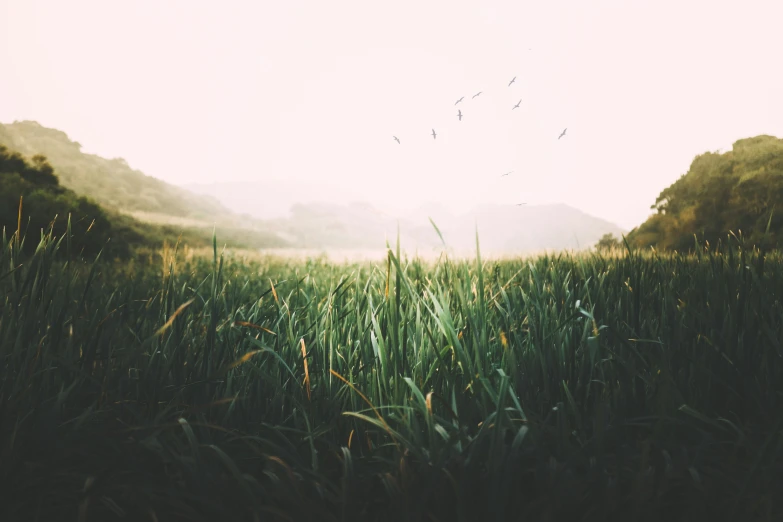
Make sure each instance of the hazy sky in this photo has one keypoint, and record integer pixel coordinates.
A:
(195, 91)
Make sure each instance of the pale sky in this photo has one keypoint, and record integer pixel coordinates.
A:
(198, 92)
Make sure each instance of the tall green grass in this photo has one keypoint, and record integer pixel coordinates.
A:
(181, 386)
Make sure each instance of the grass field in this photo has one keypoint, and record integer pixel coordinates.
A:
(190, 387)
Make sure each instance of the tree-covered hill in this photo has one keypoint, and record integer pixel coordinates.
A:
(739, 190)
(32, 200)
(126, 194)
(110, 182)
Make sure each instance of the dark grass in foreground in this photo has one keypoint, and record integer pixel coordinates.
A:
(183, 388)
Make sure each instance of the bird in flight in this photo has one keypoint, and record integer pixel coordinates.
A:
(563, 134)
(507, 173)
(396, 138)
(477, 94)
(512, 81)
(433, 134)
(460, 100)
(459, 115)
(516, 106)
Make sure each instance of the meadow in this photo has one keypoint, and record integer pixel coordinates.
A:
(200, 386)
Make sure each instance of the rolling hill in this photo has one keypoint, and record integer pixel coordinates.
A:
(114, 185)
(109, 182)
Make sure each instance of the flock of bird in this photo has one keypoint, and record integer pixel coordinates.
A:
(459, 116)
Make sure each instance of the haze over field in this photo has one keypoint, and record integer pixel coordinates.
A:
(295, 103)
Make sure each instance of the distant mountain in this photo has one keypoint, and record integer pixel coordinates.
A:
(528, 228)
(356, 225)
(270, 199)
(502, 228)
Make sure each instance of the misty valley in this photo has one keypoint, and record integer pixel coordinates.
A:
(149, 372)
(361, 261)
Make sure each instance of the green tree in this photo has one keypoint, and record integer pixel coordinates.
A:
(608, 242)
(721, 193)
(47, 206)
